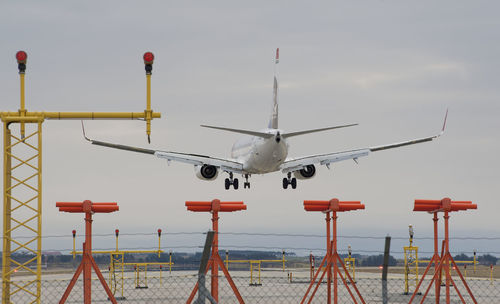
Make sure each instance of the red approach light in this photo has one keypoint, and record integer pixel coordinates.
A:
(117, 231)
(21, 57)
(74, 233)
(159, 232)
(148, 58)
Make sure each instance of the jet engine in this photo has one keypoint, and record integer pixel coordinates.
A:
(305, 173)
(206, 172)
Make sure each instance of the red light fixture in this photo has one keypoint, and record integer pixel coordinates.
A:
(148, 58)
(21, 57)
(117, 232)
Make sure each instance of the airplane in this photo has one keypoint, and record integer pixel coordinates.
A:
(264, 151)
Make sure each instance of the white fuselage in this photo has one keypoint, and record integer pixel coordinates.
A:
(260, 155)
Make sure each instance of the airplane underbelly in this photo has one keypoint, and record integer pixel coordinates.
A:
(266, 158)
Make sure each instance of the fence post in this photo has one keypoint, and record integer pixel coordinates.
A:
(385, 268)
(202, 290)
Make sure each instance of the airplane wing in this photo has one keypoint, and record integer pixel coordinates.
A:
(295, 164)
(194, 159)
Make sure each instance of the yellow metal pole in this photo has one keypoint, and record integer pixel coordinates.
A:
(159, 242)
(110, 276)
(259, 273)
(227, 260)
(407, 272)
(74, 244)
(283, 260)
(354, 270)
(475, 261)
(148, 111)
(22, 110)
(39, 214)
(170, 262)
(136, 276)
(491, 274)
(7, 166)
(122, 257)
(148, 62)
(251, 273)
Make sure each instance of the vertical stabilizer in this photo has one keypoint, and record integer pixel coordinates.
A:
(273, 121)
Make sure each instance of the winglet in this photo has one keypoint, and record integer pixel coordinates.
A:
(83, 130)
(444, 123)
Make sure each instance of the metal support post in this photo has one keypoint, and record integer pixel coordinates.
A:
(445, 205)
(6, 254)
(332, 258)
(88, 261)
(215, 262)
(385, 269)
(202, 289)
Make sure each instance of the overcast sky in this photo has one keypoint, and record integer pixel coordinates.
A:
(391, 66)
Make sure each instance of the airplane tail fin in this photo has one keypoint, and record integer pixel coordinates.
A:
(273, 121)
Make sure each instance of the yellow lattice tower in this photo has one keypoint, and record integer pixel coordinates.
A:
(411, 264)
(22, 195)
(116, 273)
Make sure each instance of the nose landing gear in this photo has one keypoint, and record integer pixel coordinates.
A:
(289, 181)
(246, 184)
(231, 181)
(228, 182)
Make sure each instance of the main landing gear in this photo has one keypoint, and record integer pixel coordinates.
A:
(288, 180)
(231, 181)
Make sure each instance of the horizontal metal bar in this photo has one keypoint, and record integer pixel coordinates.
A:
(119, 251)
(40, 116)
(148, 264)
(14, 118)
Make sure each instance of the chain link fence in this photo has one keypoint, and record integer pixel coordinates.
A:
(275, 287)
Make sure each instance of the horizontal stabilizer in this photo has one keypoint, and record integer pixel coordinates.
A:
(285, 135)
(252, 133)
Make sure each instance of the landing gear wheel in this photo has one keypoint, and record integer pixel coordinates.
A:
(285, 183)
(246, 183)
(294, 183)
(235, 184)
(227, 183)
